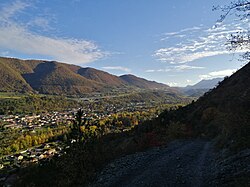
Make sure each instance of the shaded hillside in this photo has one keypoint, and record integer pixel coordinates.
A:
(195, 92)
(101, 76)
(56, 78)
(223, 112)
(142, 83)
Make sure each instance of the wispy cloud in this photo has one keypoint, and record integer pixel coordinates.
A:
(10, 11)
(179, 68)
(198, 42)
(40, 22)
(18, 37)
(216, 74)
(120, 68)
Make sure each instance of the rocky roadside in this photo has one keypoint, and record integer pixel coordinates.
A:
(180, 163)
(230, 170)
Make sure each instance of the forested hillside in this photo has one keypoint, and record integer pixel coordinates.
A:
(101, 76)
(223, 112)
(50, 77)
(11, 80)
(142, 83)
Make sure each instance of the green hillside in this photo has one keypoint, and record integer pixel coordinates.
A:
(11, 80)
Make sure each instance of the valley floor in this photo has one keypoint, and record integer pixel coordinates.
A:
(180, 163)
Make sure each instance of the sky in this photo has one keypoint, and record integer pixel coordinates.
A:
(175, 42)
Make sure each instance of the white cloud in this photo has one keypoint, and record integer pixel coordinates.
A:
(17, 37)
(216, 74)
(117, 68)
(179, 68)
(11, 10)
(40, 22)
(186, 67)
(198, 42)
(156, 70)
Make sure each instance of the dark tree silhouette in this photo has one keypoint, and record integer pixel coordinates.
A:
(77, 125)
(239, 40)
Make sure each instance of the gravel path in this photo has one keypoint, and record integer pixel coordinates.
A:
(180, 163)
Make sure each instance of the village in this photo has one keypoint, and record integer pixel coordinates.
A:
(32, 123)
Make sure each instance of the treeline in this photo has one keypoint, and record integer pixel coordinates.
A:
(149, 97)
(35, 104)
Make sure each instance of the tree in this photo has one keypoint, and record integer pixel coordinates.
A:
(239, 40)
(77, 125)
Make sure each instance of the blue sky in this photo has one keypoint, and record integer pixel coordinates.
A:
(176, 42)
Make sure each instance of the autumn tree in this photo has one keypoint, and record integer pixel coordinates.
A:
(239, 40)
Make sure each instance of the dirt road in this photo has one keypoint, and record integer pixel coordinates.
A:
(180, 163)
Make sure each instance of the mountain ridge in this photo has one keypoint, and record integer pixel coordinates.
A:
(141, 82)
(51, 77)
(201, 87)
(205, 84)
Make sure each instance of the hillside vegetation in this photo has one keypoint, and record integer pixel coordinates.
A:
(222, 113)
(142, 83)
(50, 77)
(101, 76)
(11, 80)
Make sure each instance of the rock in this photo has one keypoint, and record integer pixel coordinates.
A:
(112, 165)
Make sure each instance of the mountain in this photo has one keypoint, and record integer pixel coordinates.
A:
(206, 84)
(142, 83)
(50, 77)
(11, 80)
(101, 76)
(57, 78)
(201, 87)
